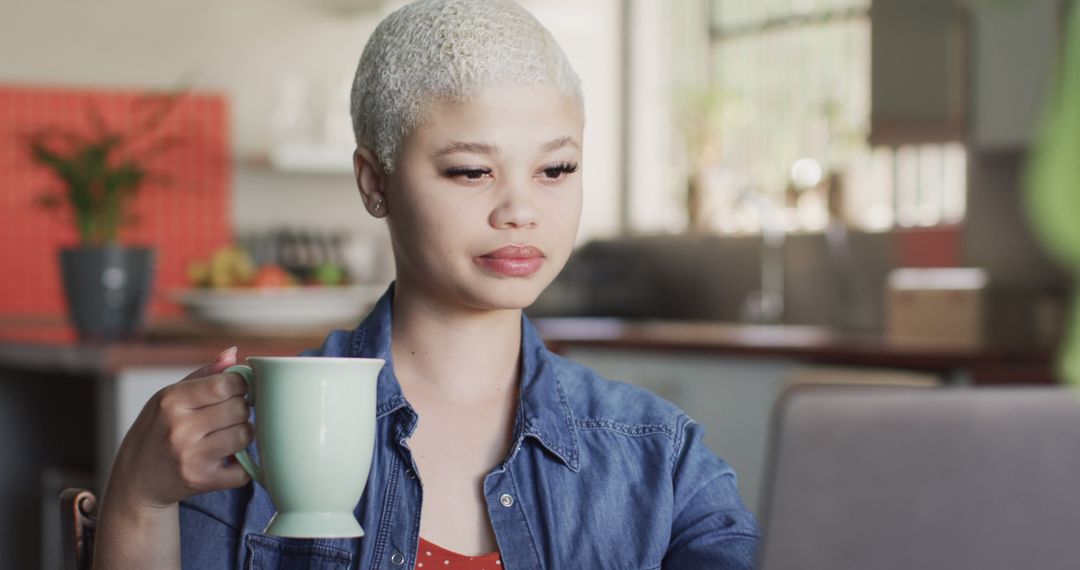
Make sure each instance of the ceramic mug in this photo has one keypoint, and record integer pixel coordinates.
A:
(315, 432)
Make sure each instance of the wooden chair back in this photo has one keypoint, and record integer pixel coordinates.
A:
(78, 522)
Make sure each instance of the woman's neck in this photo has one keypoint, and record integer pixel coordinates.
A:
(456, 355)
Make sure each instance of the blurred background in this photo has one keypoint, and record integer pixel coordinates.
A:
(776, 192)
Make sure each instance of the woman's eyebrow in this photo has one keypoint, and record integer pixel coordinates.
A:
(490, 149)
(467, 147)
(558, 143)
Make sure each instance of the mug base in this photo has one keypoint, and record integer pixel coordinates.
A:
(314, 525)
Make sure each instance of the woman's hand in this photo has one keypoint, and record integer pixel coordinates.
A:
(180, 445)
(183, 440)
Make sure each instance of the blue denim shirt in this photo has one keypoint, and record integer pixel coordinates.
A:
(601, 474)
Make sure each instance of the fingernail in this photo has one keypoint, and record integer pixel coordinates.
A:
(226, 354)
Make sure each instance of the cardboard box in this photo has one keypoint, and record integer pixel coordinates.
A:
(942, 306)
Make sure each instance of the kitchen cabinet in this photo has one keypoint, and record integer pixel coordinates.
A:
(1016, 45)
(918, 71)
(973, 71)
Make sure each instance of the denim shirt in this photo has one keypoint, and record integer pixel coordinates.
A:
(601, 474)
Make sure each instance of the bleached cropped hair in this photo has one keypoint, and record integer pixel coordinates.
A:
(433, 50)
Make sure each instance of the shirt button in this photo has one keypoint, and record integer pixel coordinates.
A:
(409, 474)
(506, 500)
(397, 559)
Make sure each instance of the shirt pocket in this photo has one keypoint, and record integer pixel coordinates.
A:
(277, 553)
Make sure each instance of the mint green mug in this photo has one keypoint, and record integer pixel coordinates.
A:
(315, 431)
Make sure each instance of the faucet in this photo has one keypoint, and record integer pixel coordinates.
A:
(766, 305)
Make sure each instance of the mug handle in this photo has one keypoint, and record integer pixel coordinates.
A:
(242, 456)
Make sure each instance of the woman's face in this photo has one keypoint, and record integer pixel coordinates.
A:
(483, 206)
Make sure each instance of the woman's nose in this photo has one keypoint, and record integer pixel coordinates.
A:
(516, 208)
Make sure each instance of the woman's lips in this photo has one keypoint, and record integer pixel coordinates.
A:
(512, 260)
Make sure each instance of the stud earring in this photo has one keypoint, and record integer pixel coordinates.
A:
(378, 204)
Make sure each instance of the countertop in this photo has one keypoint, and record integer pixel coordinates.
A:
(990, 363)
(49, 345)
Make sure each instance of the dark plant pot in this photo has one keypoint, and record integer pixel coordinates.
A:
(107, 289)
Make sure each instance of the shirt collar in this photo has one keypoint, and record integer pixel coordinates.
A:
(543, 411)
(372, 340)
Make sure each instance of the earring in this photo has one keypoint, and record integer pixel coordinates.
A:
(378, 204)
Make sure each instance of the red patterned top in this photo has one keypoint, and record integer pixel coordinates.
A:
(432, 557)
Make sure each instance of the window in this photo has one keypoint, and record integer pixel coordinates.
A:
(789, 86)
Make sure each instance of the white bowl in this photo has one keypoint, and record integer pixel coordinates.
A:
(284, 310)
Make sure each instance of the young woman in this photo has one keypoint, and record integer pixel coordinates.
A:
(490, 450)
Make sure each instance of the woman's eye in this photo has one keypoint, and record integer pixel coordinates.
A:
(468, 173)
(557, 171)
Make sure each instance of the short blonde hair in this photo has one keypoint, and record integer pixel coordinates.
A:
(444, 50)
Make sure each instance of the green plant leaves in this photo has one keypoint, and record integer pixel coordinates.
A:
(1053, 177)
(1053, 183)
(100, 172)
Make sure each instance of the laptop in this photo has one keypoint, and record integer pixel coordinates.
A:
(894, 478)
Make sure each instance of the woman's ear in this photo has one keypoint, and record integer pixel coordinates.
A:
(370, 181)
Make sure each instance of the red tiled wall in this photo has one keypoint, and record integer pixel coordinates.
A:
(184, 219)
(928, 247)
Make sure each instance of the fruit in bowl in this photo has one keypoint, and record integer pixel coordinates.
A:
(279, 311)
(272, 275)
(329, 275)
(229, 266)
(230, 291)
(232, 266)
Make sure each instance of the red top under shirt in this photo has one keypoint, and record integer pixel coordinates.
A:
(433, 557)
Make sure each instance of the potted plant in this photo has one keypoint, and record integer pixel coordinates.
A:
(1053, 183)
(106, 284)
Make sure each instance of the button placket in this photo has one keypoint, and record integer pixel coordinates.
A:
(508, 519)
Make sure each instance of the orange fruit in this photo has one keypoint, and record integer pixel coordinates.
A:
(272, 275)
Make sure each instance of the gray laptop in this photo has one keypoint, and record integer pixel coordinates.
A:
(893, 478)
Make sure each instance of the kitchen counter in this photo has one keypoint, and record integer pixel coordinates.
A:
(986, 364)
(48, 344)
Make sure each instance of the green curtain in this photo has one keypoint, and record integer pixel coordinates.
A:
(1053, 184)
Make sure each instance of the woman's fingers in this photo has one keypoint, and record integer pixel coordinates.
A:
(222, 415)
(224, 360)
(202, 465)
(230, 477)
(176, 445)
(223, 443)
(205, 391)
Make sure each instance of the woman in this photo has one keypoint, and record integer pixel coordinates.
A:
(469, 124)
